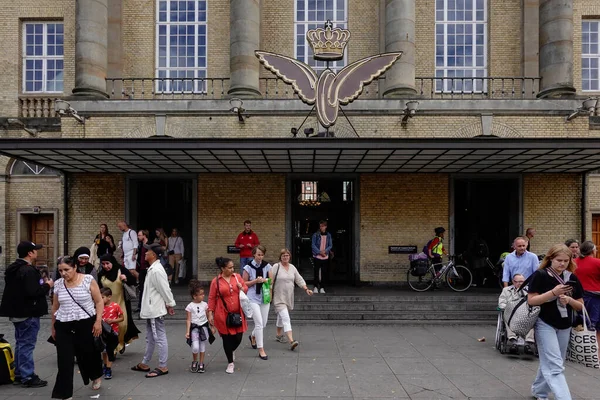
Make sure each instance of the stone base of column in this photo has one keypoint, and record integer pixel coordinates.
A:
(244, 93)
(557, 91)
(403, 91)
(89, 92)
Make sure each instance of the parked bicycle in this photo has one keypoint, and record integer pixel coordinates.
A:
(457, 277)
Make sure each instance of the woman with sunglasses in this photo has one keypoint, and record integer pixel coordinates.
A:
(76, 319)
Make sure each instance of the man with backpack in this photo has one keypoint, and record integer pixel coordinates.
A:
(435, 247)
(24, 302)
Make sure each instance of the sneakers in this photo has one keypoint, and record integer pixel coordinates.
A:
(34, 382)
(293, 345)
(280, 339)
(201, 368)
(230, 368)
(315, 290)
(194, 367)
(322, 291)
(108, 373)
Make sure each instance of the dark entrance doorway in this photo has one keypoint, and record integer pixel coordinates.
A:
(331, 200)
(486, 209)
(167, 204)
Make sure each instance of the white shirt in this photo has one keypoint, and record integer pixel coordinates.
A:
(68, 310)
(198, 312)
(157, 293)
(129, 241)
(175, 244)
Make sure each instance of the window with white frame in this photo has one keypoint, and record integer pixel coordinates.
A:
(460, 45)
(590, 56)
(312, 14)
(43, 57)
(181, 46)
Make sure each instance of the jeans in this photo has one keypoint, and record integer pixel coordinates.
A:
(260, 314)
(243, 262)
(320, 272)
(156, 335)
(26, 333)
(552, 346)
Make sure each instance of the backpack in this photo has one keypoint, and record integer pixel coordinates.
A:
(7, 362)
(426, 248)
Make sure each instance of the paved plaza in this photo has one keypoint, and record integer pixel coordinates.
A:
(332, 362)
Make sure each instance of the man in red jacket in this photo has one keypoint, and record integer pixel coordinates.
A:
(246, 241)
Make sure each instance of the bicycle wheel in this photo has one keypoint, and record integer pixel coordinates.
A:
(420, 283)
(459, 278)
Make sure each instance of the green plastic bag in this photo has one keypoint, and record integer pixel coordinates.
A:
(266, 291)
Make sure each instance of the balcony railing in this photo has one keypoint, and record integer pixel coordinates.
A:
(37, 107)
(275, 88)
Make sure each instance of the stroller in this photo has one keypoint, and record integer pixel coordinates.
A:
(502, 342)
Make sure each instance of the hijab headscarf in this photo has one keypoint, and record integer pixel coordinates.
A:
(114, 273)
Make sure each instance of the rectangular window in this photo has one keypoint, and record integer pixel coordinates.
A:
(309, 190)
(43, 57)
(460, 45)
(312, 14)
(181, 46)
(590, 55)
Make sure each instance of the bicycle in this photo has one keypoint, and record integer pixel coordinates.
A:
(457, 277)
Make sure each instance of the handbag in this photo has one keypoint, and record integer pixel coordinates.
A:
(182, 268)
(233, 320)
(129, 291)
(583, 346)
(244, 301)
(519, 315)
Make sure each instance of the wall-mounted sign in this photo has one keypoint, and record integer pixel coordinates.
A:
(233, 250)
(402, 249)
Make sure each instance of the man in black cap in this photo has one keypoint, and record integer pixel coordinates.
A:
(24, 302)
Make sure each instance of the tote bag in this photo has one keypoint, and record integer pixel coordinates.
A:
(519, 315)
(244, 301)
(583, 346)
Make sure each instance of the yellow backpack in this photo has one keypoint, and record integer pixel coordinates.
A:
(7, 362)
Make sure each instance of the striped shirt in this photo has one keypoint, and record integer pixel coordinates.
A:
(68, 310)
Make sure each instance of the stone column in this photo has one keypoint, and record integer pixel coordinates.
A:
(244, 39)
(400, 36)
(556, 48)
(91, 38)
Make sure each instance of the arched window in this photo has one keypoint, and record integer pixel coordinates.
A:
(312, 14)
(28, 168)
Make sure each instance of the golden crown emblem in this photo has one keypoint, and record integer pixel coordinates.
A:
(328, 44)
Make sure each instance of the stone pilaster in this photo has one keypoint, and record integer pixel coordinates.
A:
(556, 48)
(91, 39)
(400, 36)
(244, 39)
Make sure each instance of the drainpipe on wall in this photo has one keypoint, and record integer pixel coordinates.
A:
(65, 214)
(583, 206)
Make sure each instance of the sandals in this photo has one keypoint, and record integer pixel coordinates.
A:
(156, 372)
(253, 344)
(140, 369)
(96, 384)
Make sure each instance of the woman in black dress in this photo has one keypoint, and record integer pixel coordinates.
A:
(105, 243)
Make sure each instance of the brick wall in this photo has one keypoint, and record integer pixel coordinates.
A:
(398, 209)
(552, 205)
(94, 199)
(505, 36)
(224, 202)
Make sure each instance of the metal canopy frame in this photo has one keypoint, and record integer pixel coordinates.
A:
(314, 155)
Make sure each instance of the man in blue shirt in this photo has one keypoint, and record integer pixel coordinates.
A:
(519, 261)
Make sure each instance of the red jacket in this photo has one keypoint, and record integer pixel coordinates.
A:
(245, 239)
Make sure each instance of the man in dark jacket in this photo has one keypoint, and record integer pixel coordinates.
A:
(24, 302)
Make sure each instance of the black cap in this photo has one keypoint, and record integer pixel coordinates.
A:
(155, 247)
(26, 246)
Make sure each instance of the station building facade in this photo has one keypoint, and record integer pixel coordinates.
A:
(172, 122)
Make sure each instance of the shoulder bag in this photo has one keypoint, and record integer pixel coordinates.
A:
(99, 341)
(233, 320)
(519, 315)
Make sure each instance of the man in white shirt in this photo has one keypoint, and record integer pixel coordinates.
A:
(175, 251)
(129, 245)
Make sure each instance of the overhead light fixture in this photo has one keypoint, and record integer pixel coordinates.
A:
(409, 111)
(63, 108)
(588, 107)
(17, 122)
(236, 108)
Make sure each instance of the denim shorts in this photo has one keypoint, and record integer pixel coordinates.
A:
(592, 306)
